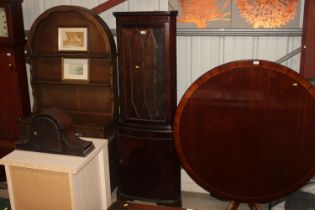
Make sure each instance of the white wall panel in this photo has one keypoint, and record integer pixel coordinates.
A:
(238, 47)
(147, 5)
(272, 48)
(84, 3)
(183, 65)
(33, 8)
(294, 62)
(108, 17)
(198, 54)
(52, 3)
(138, 5)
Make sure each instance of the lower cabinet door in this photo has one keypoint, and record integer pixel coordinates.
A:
(149, 169)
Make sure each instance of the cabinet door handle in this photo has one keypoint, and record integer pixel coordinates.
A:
(137, 67)
(8, 54)
(11, 66)
(78, 134)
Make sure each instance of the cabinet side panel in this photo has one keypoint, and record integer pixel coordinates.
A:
(91, 190)
(10, 191)
(51, 191)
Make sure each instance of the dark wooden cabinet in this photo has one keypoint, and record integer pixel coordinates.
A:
(307, 67)
(13, 80)
(147, 101)
(72, 54)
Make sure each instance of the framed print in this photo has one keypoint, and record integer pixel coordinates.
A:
(75, 69)
(72, 39)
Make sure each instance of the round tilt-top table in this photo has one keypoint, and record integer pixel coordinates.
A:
(245, 131)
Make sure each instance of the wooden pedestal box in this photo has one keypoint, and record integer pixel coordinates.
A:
(49, 181)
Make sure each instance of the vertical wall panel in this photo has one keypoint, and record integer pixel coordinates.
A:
(108, 16)
(147, 5)
(238, 48)
(272, 48)
(294, 62)
(205, 51)
(31, 10)
(183, 67)
(163, 5)
(52, 3)
(215, 52)
(134, 5)
(198, 54)
(84, 3)
(28, 72)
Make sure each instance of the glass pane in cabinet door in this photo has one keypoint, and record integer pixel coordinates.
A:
(3, 23)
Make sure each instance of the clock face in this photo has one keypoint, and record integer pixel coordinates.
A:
(3, 23)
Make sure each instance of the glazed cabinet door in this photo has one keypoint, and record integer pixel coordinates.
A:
(142, 75)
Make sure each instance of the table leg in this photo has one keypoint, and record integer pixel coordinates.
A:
(233, 205)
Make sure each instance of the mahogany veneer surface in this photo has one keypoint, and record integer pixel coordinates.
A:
(245, 131)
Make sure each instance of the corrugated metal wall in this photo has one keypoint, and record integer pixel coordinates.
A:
(196, 53)
(33, 8)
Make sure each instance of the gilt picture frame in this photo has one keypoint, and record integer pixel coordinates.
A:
(75, 69)
(72, 39)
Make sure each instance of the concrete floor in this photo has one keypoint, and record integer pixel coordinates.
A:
(4, 193)
(202, 201)
(303, 199)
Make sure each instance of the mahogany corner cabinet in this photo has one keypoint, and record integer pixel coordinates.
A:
(149, 167)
